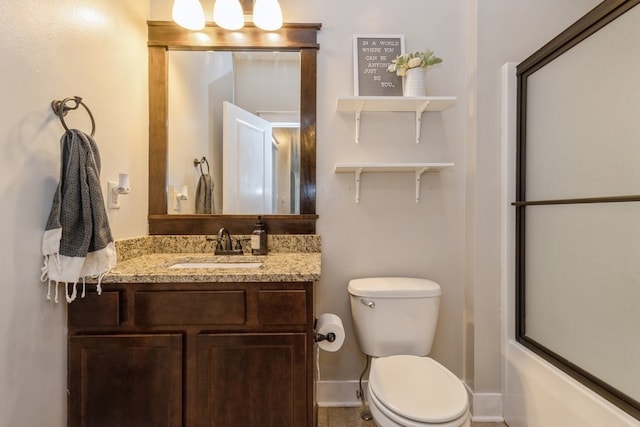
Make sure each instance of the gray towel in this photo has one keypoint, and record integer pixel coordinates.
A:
(77, 241)
(204, 195)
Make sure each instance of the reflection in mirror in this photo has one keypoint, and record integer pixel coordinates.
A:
(240, 111)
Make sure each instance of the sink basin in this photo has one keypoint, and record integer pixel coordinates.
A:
(210, 261)
(216, 265)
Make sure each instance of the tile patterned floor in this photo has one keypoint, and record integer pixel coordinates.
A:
(350, 417)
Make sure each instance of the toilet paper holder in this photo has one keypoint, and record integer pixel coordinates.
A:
(331, 337)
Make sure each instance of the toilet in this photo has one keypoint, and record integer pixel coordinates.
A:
(395, 321)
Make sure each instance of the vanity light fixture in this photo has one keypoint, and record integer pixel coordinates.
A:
(229, 14)
(188, 14)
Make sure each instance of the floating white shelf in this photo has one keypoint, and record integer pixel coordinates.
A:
(417, 168)
(417, 104)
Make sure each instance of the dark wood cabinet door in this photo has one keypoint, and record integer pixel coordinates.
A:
(256, 380)
(125, 380)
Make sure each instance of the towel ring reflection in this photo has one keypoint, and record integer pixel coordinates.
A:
(60, 108)
(197, 163)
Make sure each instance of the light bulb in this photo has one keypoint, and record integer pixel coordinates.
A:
(267, 14)
(228, 14)
(188, 14)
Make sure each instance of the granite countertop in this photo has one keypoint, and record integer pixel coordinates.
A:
(276, 267)
(148, 260)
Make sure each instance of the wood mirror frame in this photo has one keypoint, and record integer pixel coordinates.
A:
(166, 35)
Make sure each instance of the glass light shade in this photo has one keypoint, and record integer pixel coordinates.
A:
(267, 14)
(228, 14)
(188, 14)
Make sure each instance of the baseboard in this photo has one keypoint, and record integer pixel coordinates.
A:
(338, 393)
(485, 407)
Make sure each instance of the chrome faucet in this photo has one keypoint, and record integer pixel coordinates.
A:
(226, 247)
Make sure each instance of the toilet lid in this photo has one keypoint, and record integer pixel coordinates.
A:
(418, 388)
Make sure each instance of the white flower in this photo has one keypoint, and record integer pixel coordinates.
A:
(414, 62)
(402, 63)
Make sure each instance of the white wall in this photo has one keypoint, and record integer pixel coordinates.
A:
(97, 49)
(52, 50)
(387, 233)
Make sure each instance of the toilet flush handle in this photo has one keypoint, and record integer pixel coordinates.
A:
(370, 304)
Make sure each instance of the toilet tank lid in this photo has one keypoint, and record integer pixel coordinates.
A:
(393, 287)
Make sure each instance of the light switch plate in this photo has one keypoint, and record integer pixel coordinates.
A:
(113, 201)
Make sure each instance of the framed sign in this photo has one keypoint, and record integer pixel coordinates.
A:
(372, 55)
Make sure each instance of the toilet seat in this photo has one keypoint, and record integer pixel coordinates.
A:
(383, 417)
(417, 391)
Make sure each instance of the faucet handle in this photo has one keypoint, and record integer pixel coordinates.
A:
(238, 246)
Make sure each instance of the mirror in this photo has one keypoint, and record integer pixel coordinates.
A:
(296, 212)
(237, 114)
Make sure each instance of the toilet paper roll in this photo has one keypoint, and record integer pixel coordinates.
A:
(330, 323)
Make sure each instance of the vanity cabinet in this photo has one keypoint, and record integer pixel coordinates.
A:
(125, 380)
(201, 354)
(259, 375)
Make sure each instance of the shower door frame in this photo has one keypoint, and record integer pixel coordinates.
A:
(598, 18)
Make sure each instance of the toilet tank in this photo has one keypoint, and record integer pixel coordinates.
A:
(394, 315)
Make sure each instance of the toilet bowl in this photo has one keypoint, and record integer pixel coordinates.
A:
(413, 391)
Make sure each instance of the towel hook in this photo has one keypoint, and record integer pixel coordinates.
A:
(60, 108)
(197, 163)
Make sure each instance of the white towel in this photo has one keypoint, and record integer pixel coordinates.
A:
(77, 241)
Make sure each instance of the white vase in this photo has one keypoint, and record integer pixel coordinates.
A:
(414, 82)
